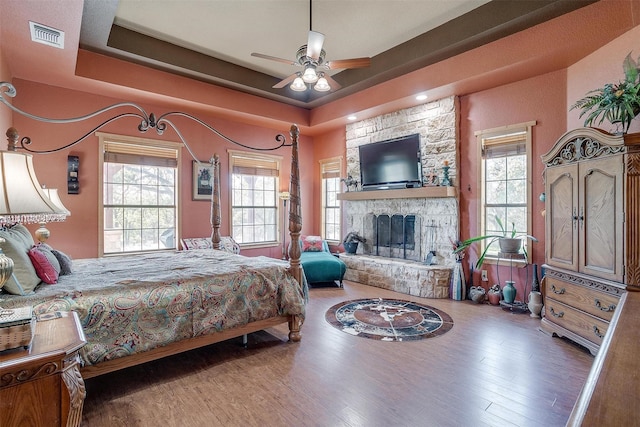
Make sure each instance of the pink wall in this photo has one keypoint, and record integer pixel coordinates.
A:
(602, 66)
(5, 76)
(325, 146)
(78, 235)
(541, 99)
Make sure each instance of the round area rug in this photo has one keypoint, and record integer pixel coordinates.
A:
(389, 319)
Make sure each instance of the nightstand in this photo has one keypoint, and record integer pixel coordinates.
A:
(42, 386)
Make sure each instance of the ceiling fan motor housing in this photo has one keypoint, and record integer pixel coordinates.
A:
(304, 60)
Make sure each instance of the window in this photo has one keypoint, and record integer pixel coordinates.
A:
(139, 194)
(330, 178)
(505, 182)
(254, 197)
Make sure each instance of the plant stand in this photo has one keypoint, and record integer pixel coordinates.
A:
(515, 306)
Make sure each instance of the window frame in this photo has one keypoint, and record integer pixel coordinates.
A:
(496, 134)
(331, 166)
(106, 138)
(259, 158)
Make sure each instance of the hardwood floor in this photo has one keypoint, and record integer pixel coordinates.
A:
(494, 368)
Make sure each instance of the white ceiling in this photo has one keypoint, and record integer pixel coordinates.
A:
(212, 40)
(232, 29)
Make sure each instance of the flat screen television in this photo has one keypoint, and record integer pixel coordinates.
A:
(394, 163)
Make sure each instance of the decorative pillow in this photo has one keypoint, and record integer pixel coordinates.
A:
(66, 265)
(312, 244)
(44, 268)
(48, 252)
(22, 232)
(24, 279)
(197, 243)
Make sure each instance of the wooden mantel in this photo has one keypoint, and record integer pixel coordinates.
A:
(404, 193)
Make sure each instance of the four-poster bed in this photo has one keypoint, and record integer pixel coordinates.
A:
(135, 309)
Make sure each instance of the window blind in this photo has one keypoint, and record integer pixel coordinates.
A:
(249, 165)
(134, 154)
(505, 145)
(330, 168)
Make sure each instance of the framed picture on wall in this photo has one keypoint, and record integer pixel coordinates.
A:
(202, 180)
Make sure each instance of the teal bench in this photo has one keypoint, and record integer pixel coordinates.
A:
(320, 265)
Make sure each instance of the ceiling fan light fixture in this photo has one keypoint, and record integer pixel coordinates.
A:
(309, 75)
(298, 85)
(322, 85)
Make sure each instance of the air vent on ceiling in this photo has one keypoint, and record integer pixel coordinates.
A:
(46, 35)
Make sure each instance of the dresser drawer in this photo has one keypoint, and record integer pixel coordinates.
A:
(578, 322)
(592, 301)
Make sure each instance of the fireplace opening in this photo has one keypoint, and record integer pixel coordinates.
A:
(394, 236)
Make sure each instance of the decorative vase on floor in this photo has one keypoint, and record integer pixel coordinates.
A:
(494, 297)
(509, 292)
(535, 303)
(458, 285)
(535, 283)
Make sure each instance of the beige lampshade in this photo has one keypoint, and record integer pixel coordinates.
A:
(22, 198)
(285, 195)
(53, 195)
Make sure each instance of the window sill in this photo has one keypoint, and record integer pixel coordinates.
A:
(259, 245)
(518, 263)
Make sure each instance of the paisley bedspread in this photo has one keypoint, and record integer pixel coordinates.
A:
(131, 304)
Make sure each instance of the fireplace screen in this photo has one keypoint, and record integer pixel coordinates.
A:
(394, 236)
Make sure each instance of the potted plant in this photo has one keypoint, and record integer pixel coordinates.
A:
(617, 103)
(510, 241)
(351, 240)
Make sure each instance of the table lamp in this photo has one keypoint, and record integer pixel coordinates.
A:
(22, 198)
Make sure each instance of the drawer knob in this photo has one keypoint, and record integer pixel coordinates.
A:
(557, 292)
(612, 307)
(554, 314)
(597, 332)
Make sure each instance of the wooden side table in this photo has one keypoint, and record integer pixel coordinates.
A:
(42, 386)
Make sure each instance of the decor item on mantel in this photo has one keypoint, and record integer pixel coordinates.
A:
(446, 181)
(617, 103)
(350, 181)
(351, 240)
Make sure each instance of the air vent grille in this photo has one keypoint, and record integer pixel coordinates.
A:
(46, 35)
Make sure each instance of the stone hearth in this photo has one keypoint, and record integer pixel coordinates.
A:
(412, 278)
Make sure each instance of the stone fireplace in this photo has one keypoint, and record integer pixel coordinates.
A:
(403, 226)
(393, 236)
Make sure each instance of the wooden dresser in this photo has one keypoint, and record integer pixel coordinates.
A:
(42, 386)
(592, 235)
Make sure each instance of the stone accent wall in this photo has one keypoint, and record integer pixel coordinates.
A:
(437, 124)
(408, 277)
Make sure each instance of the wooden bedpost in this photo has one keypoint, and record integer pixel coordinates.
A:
(215, 202)
(295, 226)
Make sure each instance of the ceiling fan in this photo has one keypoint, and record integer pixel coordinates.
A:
(311, 57)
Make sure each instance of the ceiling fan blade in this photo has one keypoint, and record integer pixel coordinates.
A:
(314, 44)
(348, 63)
(334, 84)
(285, 81)
(274, 58)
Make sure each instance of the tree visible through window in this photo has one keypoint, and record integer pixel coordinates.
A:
(505, 181)
(254, 202)
(330, 177)
(139, 197)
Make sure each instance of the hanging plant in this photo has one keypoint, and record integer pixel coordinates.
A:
(617, 103)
